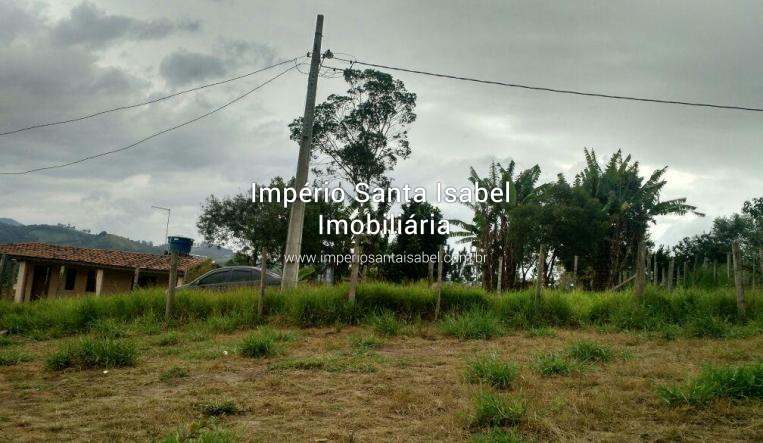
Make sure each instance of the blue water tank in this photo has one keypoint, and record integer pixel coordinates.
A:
(181, 245)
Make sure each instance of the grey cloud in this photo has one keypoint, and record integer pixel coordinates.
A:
(182, 67)
(89, 26)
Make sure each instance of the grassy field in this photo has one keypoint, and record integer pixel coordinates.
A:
(680, 367)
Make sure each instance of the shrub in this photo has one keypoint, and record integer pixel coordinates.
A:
(713, 382)
(586, 351)
(386, 324)
(552, 363)
(492, 409)
(473, 324)
(94, 353)
(492, 370)
(219, 408)
(258, 345)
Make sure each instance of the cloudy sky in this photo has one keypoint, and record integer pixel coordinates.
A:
(61, 59)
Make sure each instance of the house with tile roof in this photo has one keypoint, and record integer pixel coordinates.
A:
(44, 270)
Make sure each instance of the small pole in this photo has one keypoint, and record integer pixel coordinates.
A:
(500, 275)
(440, 257)
(575, 272)
(541, 274)
(728, 265)
(655, 277)
(640, 271)
(354, 270)
(737, 257)
(686, 275)
(136, 278)
(171, 286)
(60, 282)
(263, 275)
(430, 274)
(671, 267)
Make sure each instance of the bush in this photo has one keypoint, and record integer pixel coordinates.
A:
(727, 382)
(94, 353)
(471, 325)
(492, 370)
(170, 339)
(492, 409)
(586, 351)
(219, 408)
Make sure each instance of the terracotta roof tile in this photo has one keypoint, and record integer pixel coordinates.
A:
(120, 259)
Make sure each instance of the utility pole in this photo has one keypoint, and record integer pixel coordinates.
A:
(640, 271)
(737, 258)
(297, 217)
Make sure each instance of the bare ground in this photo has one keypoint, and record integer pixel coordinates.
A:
(409, 389)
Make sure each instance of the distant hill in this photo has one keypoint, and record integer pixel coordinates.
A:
(9, 221)
(12, 231)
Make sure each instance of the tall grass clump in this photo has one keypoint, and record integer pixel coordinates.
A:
(475, 324)
(497, 435)
(386, 324)
(492, 370)
(553, 363)
(493, 409)
(89, 353)
(258, 345)
(586, 351)
(740, 382)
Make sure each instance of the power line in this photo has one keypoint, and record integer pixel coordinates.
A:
(149, 102)
(545, 89)
(132, 145)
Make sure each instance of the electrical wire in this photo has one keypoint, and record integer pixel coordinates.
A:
(546, 89)
(156, 134)
(149, 102)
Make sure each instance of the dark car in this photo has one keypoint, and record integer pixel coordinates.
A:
(232, 276)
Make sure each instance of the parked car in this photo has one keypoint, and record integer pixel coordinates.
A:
(232, 276)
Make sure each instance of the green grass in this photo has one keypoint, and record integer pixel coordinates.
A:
(258, 345)
(475, 324)
(218, 408)
(541, 331)
(386, 324)
(10, 358)
(207, 430)
(586, 351)
(492, 370)
(170, 339)
(554, 363)
(493, 409)
(87, 353)
(173, 373)
(388, 308)
(740, 382)
(365, 343)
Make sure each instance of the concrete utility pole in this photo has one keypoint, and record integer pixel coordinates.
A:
(297, 217)
(640, 271)
(737, 258)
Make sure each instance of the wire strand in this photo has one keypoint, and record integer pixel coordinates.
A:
(545, 89)
(149, 102)
(156, 134)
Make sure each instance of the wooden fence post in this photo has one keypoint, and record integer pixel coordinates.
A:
(171, 287)
(737, 258)
(500, 275)
(430, 274)
(440, 258)
(575, 273)
(539, 281)
(263, 277)
(354, 270)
